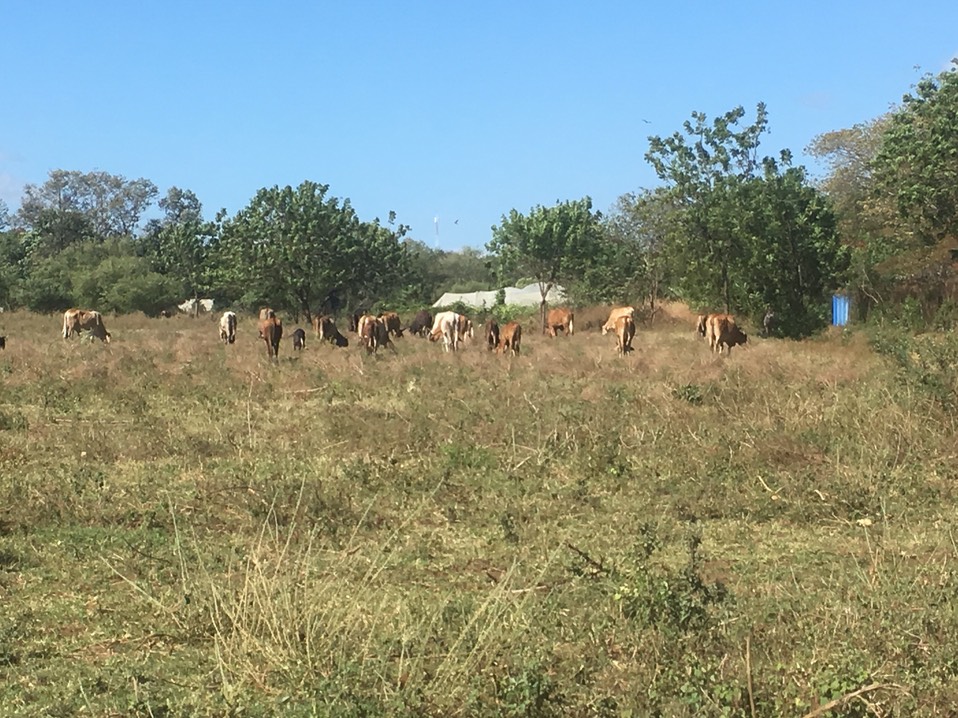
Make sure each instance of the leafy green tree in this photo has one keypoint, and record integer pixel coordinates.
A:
(13, 252)
(704, 169)
(178, 245)
(291, 247)
(550, 244)
(110, 203)
(868, 220)
(632, 266)
(917, 165)
(107, 276)
(793, 256)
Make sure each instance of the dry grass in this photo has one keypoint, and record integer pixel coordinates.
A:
(186, 528)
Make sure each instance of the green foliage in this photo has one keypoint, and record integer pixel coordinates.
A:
(917, 165)
(291, 247)
(928, 362)
(753, 233)
(551, 244)
(110, 205)
(676, 601)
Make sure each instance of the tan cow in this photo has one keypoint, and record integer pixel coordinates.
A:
(701, 324)
(617, 312)
(560, 319)
(721, 330)
(510, 337)
(445, 326)
(624, 332)
(77, 320)
(271, 330)
(393, 323)
(266, 313)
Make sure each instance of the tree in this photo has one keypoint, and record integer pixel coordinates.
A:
(634, 262)
(917, 164)
(868, 221)
(292, 247)
(179, 244)
(110, 203)
(703, 170)
(793, 256)
(550, 244)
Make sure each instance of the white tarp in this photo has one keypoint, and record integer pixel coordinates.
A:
(206, 305)
(528, 296)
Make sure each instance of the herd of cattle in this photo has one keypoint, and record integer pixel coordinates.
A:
(720, 330)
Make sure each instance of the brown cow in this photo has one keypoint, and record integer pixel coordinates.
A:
(299, 339)
(271, 330)
(510, 336)
(722, 330)
(392, 322)
(560, 319)
(421, 324)
(325, 328)
(617, 312)
(492, 334)
(76, 320)
(465, 327)
(624, 332)
(374, 334)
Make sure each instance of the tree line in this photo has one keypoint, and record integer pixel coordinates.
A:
(729, 228)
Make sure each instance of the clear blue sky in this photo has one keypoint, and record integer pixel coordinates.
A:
(461, 110)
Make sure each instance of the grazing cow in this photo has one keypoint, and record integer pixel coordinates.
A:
(769, 322)
(445, 326)
(299, 339)
(75, 320)
(228, 327)
(617, 312)
(355, 317)
(465, 327)
(722, 330)
(271, 330)
(560, 319)
(701, 324)
(165, 313)
(374, 334)
(624, 332)
(392, 322)
(509, 338)
(3, 342)
(421, 323)
(326, 330)
(266, 313)
(492, 334)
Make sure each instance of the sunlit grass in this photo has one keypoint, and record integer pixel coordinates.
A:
(186, 528)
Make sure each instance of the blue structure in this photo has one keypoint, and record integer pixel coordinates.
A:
(840, 305)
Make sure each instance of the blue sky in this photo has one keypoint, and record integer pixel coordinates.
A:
(461, 110)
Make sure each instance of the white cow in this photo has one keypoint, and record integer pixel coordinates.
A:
(228, 327)
(446, 325)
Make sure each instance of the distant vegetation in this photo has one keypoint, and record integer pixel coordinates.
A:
(730, 228)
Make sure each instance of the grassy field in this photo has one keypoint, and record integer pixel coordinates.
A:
(186, 529)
